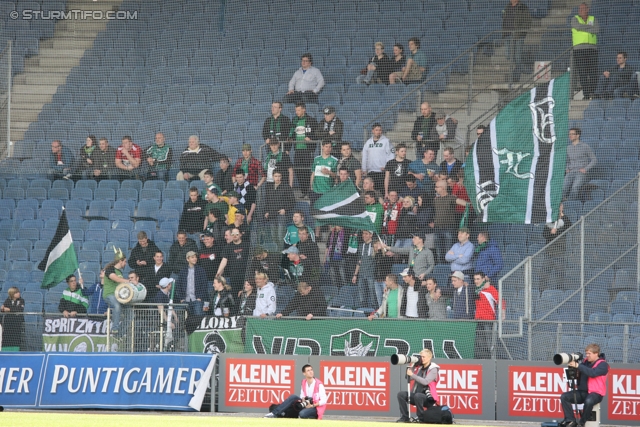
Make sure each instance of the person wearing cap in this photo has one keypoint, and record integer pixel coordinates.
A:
(350, 163)
(214, 201)
(303, 132)
(331, 129)
(224, 176)
(235, 257)
(463, 305)
(461, 254)
(306, 83)
(112, 278)
(178, 251)
(364, 273)
(392, 297)
(298, 269)
(444, 130)
(278, 160)
(159, 269)
(420, 258)
(276, 126)
(377, 151)
(250, 167)
(265, 296)
(239, 221)
(196, 159)
(246, 193)
(278, 204)
(422, 131)
(209, 255)
(308, 302)
(378, 68)
(411, 299)
(191, 285)
(141, 257)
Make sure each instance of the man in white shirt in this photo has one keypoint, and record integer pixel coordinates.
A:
(377, 151)
(266, 297)
(313, 397)
(306, 83)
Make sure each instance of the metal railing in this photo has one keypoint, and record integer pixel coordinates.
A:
(583, 271)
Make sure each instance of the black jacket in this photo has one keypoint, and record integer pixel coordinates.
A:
(178, 255)
(192, 218)
(209, 259)
(312, 303)
(194, 162)
(516, 18)
(457, 167)
(276, 128)
(226, 301)
(138, 253)
(104, 160)
(154, 279)
(278, 198)
(425, 125)
(249, 305)
(224, 179)
(338, 128)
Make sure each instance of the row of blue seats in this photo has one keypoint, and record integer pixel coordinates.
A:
(619, 108)
(612, 347)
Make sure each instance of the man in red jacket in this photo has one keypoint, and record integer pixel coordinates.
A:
(486, 310)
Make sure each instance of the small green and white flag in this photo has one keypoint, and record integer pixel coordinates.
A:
(343, 206)
(60, 261)
(515, 170)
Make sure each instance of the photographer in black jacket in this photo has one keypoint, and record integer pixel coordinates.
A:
(424, 375)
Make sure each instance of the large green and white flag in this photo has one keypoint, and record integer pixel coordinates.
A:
(515, 170)
(343, 206)
(60, 261)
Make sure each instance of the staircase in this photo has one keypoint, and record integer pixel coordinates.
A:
(491, 71)
(49, 69)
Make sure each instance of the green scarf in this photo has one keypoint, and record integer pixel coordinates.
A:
(479, 288)
(89, 150)
(480, 247)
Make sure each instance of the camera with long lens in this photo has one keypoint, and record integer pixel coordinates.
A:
(401, 359)
(302, 404)
(566, 358)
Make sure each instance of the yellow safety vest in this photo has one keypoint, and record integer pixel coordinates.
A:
(582, 37)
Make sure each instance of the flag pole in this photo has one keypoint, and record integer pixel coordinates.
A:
(80, 279)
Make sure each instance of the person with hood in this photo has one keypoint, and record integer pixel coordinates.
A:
(487, 256)
(266, 296)
(307, 302)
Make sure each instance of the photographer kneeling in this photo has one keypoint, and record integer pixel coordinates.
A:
(592, 386)
(423, 395)
(312, 405)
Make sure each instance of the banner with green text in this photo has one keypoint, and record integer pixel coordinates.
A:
(217, 335)
(350, 337)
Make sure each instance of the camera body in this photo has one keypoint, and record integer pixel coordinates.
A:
(566, 358)
(302, 404)
(401, 359)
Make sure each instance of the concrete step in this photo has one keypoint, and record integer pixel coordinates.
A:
(33, 89)
(32, 98)
(69, 52)
(45, 78)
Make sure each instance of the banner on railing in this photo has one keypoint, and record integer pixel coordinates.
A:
(166, 381)
(76, 335)
(451, 340)
(217, 335)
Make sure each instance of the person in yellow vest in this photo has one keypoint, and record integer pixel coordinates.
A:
(584, 31)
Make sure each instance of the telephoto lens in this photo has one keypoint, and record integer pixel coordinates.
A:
(566, 358)
(401, 359)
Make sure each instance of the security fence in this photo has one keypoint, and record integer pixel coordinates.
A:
(5, 98)
(582, 287)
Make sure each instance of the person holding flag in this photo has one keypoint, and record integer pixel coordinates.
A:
(73, 301)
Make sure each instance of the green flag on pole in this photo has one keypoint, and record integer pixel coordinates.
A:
(60, 261)
(343, 206)
(515, 170)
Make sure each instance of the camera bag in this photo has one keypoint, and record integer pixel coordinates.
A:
(292, 412)
(437, 415)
